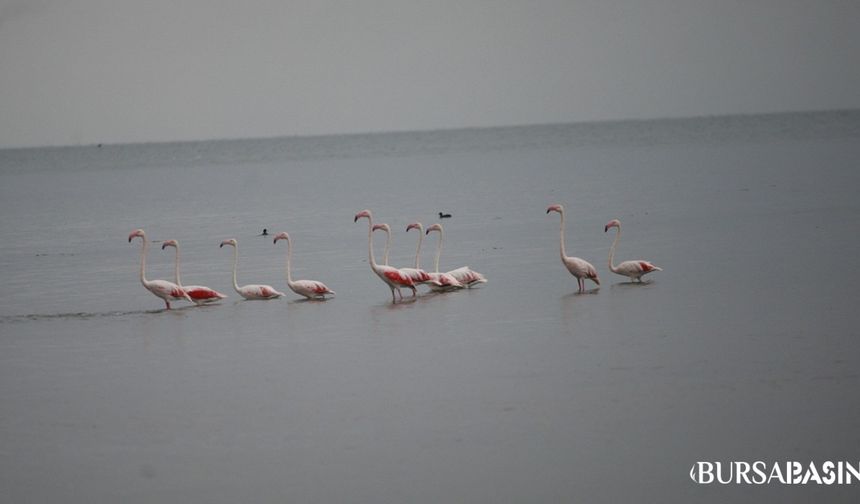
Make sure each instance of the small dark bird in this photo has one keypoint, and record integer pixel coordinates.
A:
(264, 233)
(444, 215)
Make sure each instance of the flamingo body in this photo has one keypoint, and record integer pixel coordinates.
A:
(416, 274)
(463, 275)
(441, 282)
(250, 291)
(199, 294)
(167, 291)
(392, 277)
(310, 289)
(466, 276)
(634, 270)
(581, 269)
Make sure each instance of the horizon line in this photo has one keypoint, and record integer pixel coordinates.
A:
(434, 130)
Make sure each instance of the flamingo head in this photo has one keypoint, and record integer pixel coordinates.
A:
(169, 243)
(231, 241)
(137, 232)
(614, 223)
(415, 225)
(363, 213)
(384, 227)
(555, 208)
(281, 236)
(434, 227)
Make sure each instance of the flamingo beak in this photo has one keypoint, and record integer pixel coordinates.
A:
(163, 245)
(606, 228)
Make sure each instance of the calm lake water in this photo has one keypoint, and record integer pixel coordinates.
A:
(745, 347)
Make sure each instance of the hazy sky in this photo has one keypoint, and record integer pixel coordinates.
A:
(90, 71)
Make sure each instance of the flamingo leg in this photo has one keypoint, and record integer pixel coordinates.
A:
(167, 303)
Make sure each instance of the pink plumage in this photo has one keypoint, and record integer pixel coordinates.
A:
(391, 276)
(310, 289)
(634, 270)
(581, 269)
(199, 294)
(167, 291)
(251, 291)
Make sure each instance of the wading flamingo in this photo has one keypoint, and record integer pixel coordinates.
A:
(579, 268)
(465, 275)
(310, 289)
(418, 276)
(391, 276)
(168, 291)
(633, 269)
(446, 281)
(251, 291)
(198, 293)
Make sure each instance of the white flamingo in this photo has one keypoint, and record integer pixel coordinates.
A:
(447, 282)
(310, 289)
(392, 277)
(168, 291)
(465, 275)
(199, 294)
(418, 276)
(251, 291)
(635, 270)
(579, 268)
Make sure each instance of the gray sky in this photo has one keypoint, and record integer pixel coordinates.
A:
(90, 71)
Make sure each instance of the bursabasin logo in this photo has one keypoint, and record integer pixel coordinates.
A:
(785, 473)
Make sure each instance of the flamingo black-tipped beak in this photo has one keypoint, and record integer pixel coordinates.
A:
(129, 239)
(274, 241)
(163, 245)
(548, 210)
(605, 228)
(221, 246)
(354, 220)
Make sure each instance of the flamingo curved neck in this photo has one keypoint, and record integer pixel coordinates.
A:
(143, 248)
(612, 250)
(235, 265)
(373, 264)
(418, 250)
(176, 268)
(561, 236)
(289, 259)
(438, 252)
(387, 247)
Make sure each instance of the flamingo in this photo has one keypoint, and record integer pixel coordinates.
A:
(633, 269)
(168, 291)
(448, 282)
(391, 276)
(251, 291)
(418, 276)
(580, 268)
(199, 294)
(310, 289)
(465, 275)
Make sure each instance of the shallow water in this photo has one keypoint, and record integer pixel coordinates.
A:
(744, 348)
